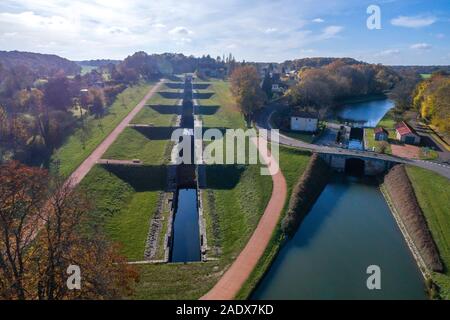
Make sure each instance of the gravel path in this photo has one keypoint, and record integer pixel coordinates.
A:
(78, 175)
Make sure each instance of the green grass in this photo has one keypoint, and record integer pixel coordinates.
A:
(433, 194)
(372, 144)
(388, 121)
(81, 144)
(125, 201)
(175, 280)
(227, 116)
(425, 75)
(293, 163)
(132, 144)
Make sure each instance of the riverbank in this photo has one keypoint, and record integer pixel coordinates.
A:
(415, 227)
(297, 178)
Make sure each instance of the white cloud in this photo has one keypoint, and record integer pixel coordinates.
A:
(180, 31)
(413, 22)
(318, 20)
(271, 30)
(331, 32)
(388, 52)
(421, 46)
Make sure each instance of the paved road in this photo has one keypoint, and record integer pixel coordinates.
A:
(234, 278)
(263, 122)
(78, 175)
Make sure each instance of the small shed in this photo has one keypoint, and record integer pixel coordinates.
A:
(304, 121)
(380, 134)
(406, 134)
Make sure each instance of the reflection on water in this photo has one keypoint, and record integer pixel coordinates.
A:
(367, 113)
(349, 228)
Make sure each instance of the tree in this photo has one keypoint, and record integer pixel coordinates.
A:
(246, 90)
(56, 94)
(98, 102)
(40, 221)
(402, 93)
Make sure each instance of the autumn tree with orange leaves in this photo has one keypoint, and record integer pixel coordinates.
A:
(247, 91)
(40, 237)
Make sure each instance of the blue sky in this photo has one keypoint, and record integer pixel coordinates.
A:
(412, 32)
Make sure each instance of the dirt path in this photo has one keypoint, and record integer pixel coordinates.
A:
(234, 278)
(78, 175)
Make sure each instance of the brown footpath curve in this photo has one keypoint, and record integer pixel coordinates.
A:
(234, 278)
(78, 175)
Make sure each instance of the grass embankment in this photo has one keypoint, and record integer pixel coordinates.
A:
(125, 200)
(84, 140)
(127, 197)
(293, 163)
(433, 194)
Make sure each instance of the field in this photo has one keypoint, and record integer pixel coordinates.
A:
(79, 145)
(433, 194)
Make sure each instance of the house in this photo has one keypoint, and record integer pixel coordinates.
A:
(304, 121)
(278, 88)
(380, 134)
(406, 134)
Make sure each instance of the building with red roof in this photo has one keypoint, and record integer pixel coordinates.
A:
(406, 134)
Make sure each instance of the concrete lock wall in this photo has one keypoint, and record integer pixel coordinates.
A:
(371, 166)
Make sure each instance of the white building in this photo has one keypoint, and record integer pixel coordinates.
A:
(304, 121)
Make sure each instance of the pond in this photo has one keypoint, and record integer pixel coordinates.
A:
(367, 113)
(349, 228)
(186, 234)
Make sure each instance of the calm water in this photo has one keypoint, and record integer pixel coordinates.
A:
(369, 113)
(349, 228)
(186, 235)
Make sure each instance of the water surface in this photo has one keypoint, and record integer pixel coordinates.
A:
(186, 235)
(349, 228)
(368, 113)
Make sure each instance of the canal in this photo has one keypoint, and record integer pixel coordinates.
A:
(186, 233)
(367, 113)
(349, 228)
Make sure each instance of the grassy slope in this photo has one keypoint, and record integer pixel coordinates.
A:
(293, 163)
(124, 206)
(126, 201)
(433, 194)
(238, 201)
(72, 153)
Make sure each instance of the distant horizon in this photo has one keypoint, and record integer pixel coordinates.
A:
(307, 57)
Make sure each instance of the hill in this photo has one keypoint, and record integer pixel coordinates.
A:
(44, 65)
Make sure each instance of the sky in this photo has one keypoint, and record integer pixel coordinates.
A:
(412, 32)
